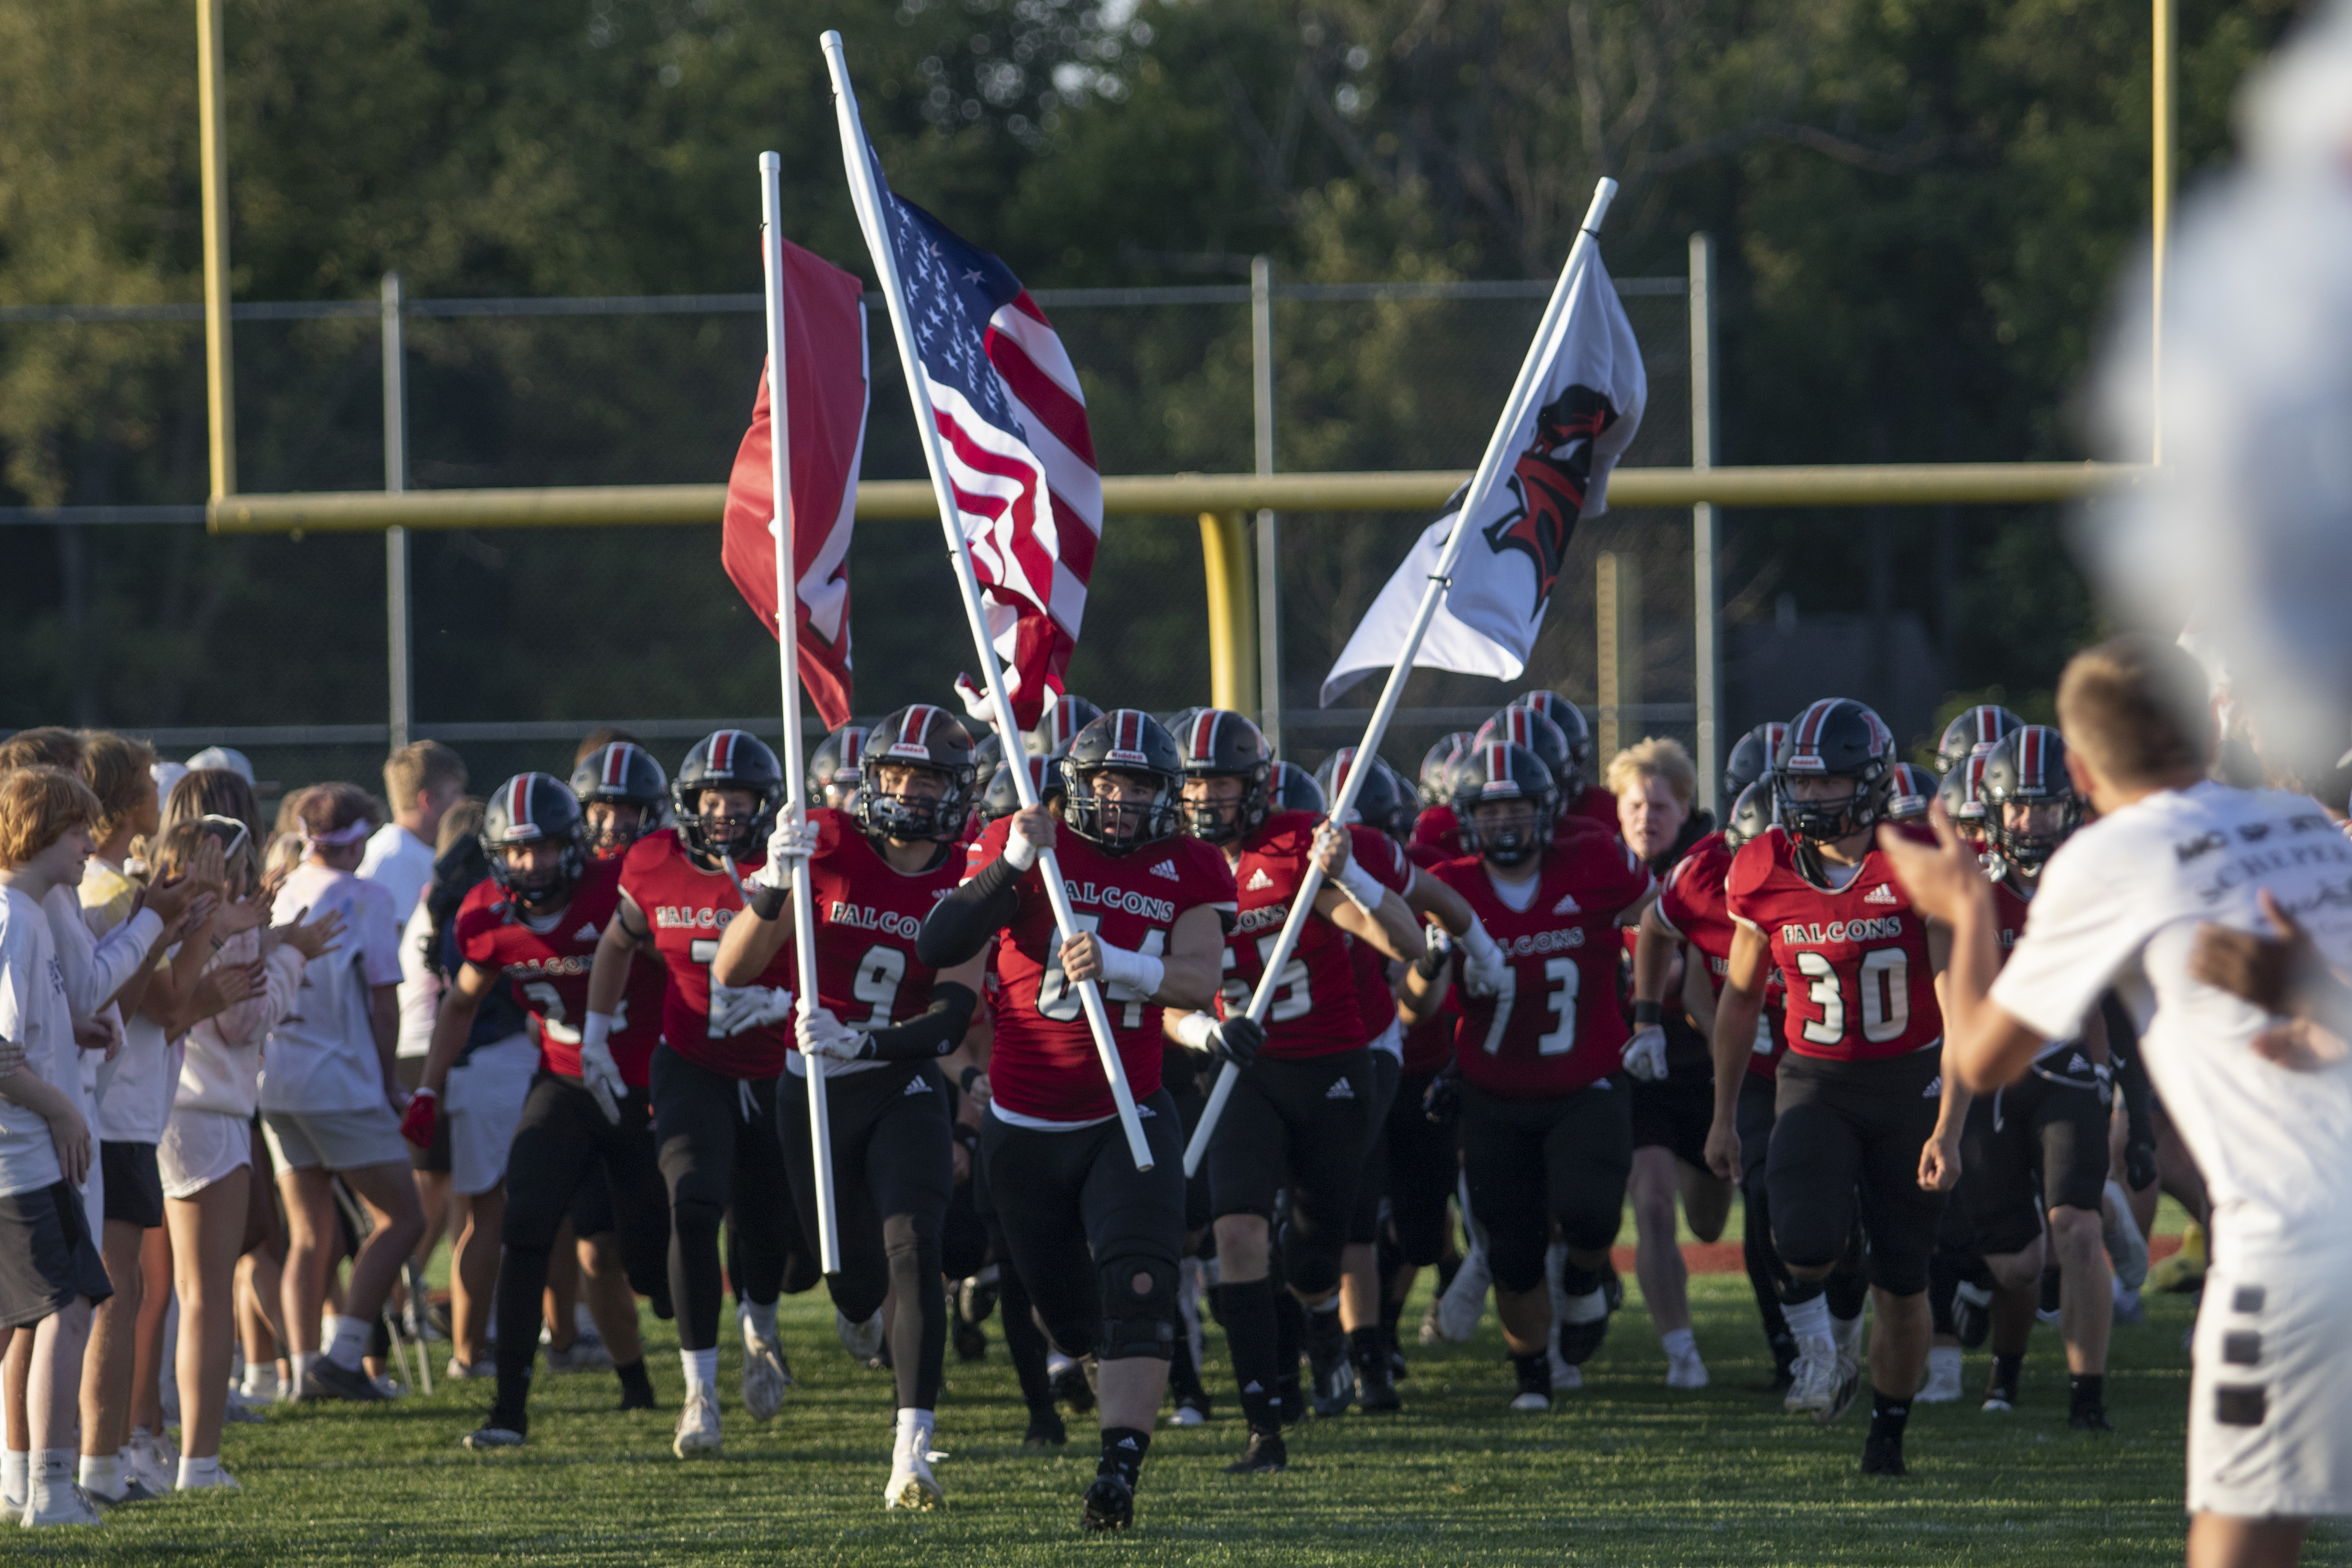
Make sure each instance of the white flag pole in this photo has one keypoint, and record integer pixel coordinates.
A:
(828, 1228)
(1491, 468)
(868, 198)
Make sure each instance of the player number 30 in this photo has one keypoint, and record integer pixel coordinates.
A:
(1885, 979)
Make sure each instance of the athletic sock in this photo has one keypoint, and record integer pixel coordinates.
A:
(350, 1341)
(1888, 1416)
(1941, 1356)
(52, 1467)
(101, 1474)
(760, 1315)
(1369, 1348)
(1247, 1312)
(636, 1387)
(1586, 1306)
(2006, 1371)
(1809, 1320)
(303, 1361)
(701, 1372)
(16, 1464)
(2084, 1391)
(1679, 1342)
(198, 1472)
(260, 1382)
(1123, 1449)
(1534, 1373)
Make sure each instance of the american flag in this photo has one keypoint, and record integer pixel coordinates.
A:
(1013, 423)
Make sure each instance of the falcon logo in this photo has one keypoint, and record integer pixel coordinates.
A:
(1167, 868)
(1549, 484)
(1259, 881)
(1881, 894)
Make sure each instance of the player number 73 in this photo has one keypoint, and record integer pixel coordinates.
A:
(1559, 996)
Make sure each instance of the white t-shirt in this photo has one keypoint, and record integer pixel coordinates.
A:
(401, 864)
(33, 1014)
(221, 1067)
(321, 1055)
(2119, 904)
(420, 988)
(134, 1089)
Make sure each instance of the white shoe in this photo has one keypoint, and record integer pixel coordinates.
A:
(1942, 1383)
(1187, 1416)
(2128, 1306)
(862, 1340)
(1560, 1370)
(153, 1459)
(1464, 1301)
(1846, 1332)
(912, 1485)
(697, 1426)
(1566, 1379)
(219, 1480)
(67, 1504)
(1531, 1402)
(1815, 1388)
(1686, 1371)
(459, 1372)
(765, 1375)
(2126, 1248)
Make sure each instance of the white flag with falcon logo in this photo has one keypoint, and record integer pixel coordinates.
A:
(1593, 391)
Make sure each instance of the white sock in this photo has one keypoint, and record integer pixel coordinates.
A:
(1329, 1304)
(1589, 1307)
(52, 1468)
(915, 1428)
(1679, 1342)
(701, 1372)
(350, 1342)
(101, 1474)
(260, 1382)
(13, 1466)
(199, 1472)
(761, 1316)
(1055, 1362)
(303, 1361)
(1940, 1357)
(1808, 1320)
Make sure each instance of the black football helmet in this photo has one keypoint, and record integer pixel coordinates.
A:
(837, 768)
(987, 754)
(1976, 731)
(535, 808)
(1218, 743)
(1293, 788)
(727, 759)
(1499, 771)
(1125, 740)
(2027, 767)
(1177, 719)
(1751, 813)
(1751, 758)
(1962, 794)
(1406, 809)
(1914, 789)
(1433, 786)
(1835, 738)
(1002, 799)
(1059, 725)
(622, 774)
(1378, 798)
(917, 736)
(1571, 720)
(1526, 726)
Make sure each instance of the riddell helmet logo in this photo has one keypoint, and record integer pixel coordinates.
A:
(1549, 484)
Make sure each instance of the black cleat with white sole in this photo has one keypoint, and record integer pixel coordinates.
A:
(1110, 1505)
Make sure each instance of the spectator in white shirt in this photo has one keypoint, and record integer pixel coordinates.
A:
(421, 781)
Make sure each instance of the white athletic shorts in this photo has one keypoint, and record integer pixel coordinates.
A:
(483, 1102)
(201, 1147)
(335, 1139)
(2270, 1396)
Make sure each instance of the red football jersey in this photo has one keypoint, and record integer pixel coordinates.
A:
(867, 912)
(549, 970)
(1375, 1001)
(686, 908)
(1436, 835)
(1860, 984)
(1693, 905)
(1043, 1062)
(1314, 1011)
(1596, 805)
(1557, 1027)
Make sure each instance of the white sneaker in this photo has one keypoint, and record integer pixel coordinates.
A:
(697, 1426)
(862, 1340)
(1815, 1388)
(2126, 1248)
(1942, 1383)
(460, 1372)
(1566, 1379)
(153, 1459)
(1846, 1332)
(765, 1375)
(912, 1485)
(1531, 1402)
(2128, 1306)
(67, 1504)
(1464, 1301)
(1686, 1371)
(219, 1480)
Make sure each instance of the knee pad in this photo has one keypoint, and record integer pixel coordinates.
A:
(1137, 1322)
(1310, 1258)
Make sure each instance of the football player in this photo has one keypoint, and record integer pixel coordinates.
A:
(1913, 791)
(533, 927)
(1547, 1125)
(1973, 733)
(1751, 758)
(1961, 795)
(1579, 795)
(1096, 1240)
(838, 766)
(713, 1076)
(884, 1024)
(1866, 1119)
(624, 796)
(1059, 726)
(1432, 783)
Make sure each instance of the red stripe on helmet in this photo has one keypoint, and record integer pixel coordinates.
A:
(2028, 757)
(617, 761)
(723, 750)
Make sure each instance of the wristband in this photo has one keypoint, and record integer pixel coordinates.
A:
(421, 1093)
(1647, 1013)
(593, 1033)
(1138, 972)
(765, 900)
(1193, 1031)
(1019, 850)
(967, 1078)
(1362, 888)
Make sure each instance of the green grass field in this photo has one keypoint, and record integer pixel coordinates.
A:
(1622, 1472)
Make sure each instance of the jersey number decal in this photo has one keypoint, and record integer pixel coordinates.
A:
(550, 1012)
(880, 970)
(1559, 997)
(1886, 996)
(1293, 998)
(1058, 999)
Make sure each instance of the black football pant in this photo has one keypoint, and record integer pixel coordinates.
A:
(1303, 1126)
(1422, 1167)
(1534, 1164)
(719, 1157)
(1847, 1141)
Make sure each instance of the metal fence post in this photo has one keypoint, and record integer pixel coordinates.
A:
(395, 540)
(1269, 530)
(220, 383)
(1707, 529)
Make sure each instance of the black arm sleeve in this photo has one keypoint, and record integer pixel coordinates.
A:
(960, 925)
(937, 1032)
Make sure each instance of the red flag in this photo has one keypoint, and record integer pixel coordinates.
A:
(824, 401)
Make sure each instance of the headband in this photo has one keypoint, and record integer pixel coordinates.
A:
(337, 837)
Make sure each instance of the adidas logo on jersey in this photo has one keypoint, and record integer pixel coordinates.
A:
(1882, 894)
(1342, 1089)
(1259, 881)
(2075, 1064)
(1568, 905)
(1167, 868)
(587, 932)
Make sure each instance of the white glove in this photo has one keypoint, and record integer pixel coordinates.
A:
(1484, 970)
(827, 1039)
(1646, 1054)
(791, 844)
(735, 1008)
(598, 1071)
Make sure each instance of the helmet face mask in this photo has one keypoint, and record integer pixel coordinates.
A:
(916, 777)
(729, 763)
(1506, 802)
(1833, 739)
(837, 768)
(1756, 811)
(535, 820)
(1227, 767)
(1123, 780)
(2031, 807)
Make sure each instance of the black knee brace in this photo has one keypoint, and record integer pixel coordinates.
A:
(1137, 1322)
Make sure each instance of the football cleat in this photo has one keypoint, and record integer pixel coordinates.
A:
(1849, 1383)
(1686, 1371)
(1579, 1341)
(1264, 1454)
(490, 1436)
(1817, 1377)
(912, 1485)
(2090, 1419)
(862, 1340)
(1327, 1359)
(697, 1426)
(765, 1374)
(1109, 1505)
(1882, 1456)
(1074, 1385)
(1971, 1315)
(1045, 1430)
(1942, 1383)
(329, 1379)
(1464, 1300)
(1847, 1333)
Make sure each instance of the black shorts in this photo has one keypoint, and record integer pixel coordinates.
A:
(2042, 1142)
(1675, 1115)
(1300, 1127)
(1070, 1203)
(892, 1155)
(1373, 1185)
(47, 1257)
(1532, 1164)
(568, 1161)
(1756, 1113)
(1421, 1166)
(134, 1187)
(1181, 1075)
(1848, 1134)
